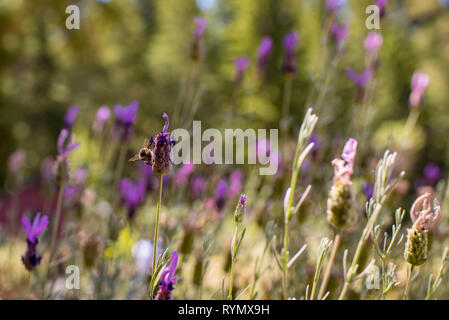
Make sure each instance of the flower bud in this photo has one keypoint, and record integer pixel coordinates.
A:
(416, 247)
(340, 210)
(239, 212)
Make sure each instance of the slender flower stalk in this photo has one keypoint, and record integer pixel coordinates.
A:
(302, 151)
(156, 225)
(420, 82)
(324, 247)
(239, 214)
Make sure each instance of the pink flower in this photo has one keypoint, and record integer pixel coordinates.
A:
(344, 167)
(420, 81)
(373, 42)
(422, 213)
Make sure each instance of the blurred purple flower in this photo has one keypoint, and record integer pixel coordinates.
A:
(103, 114)
(373, 42)
(31, 259)
(124, 120)
(317, 143)
(47, 166)
(34, 230)
(360, 79)
(70, 117)
(368, 189)
(381, 4)
(64, 149)
(197, 46)
(168, 279)
(16, 161)
(220, 193)
(263, 52)
(235, 185)
(132, 194)
(200, 26)
(182, 175)
(340, 33)
(420, 81)
(432, 173)
(241, 64)
(197, 186)
(335, 5)
(289, 62)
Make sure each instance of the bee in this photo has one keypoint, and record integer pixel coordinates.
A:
(145, 153)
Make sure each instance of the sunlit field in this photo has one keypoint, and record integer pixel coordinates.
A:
(224, 149)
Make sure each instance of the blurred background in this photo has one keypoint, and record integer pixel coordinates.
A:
(140, 50)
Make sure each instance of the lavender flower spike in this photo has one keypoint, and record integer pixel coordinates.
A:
(373, 42)
(103, 114)
(124, 120)
(241, 64)
(70, 116)
(334, 5)
(263, 52)
(360, 80)
(420, 81)
(31, 259)
(132, 195)
(290, 43)
(168, 279)
(197, 46)
(340, 33)
(422, 213)
(161, 150)
(65, 149)
(239, 212)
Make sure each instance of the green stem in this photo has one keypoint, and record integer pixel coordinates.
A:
(409, 280)
(328, 272)
(156, 226)
(233, 258)
(352, 270)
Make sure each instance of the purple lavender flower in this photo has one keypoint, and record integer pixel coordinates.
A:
(182, 175)
(132, 194)
(124, 120)
(168, 279)
(16, 161)
(290, 43)
(317, 143)
(70, 117)
(381, 4)
(64, 149)
(103, 114)
(220, 193)
(235, 185)
(239, 212)
(368, 189)
(360, 80)
(197, 186)
(420, 81)
(241, 64)
(263, 52)
(432, 173)
(335, 5)
(61, 166)
(197, 47)
(340, 33)
(373, 42)
(161, 150)
(344, 167)
(31, 259)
